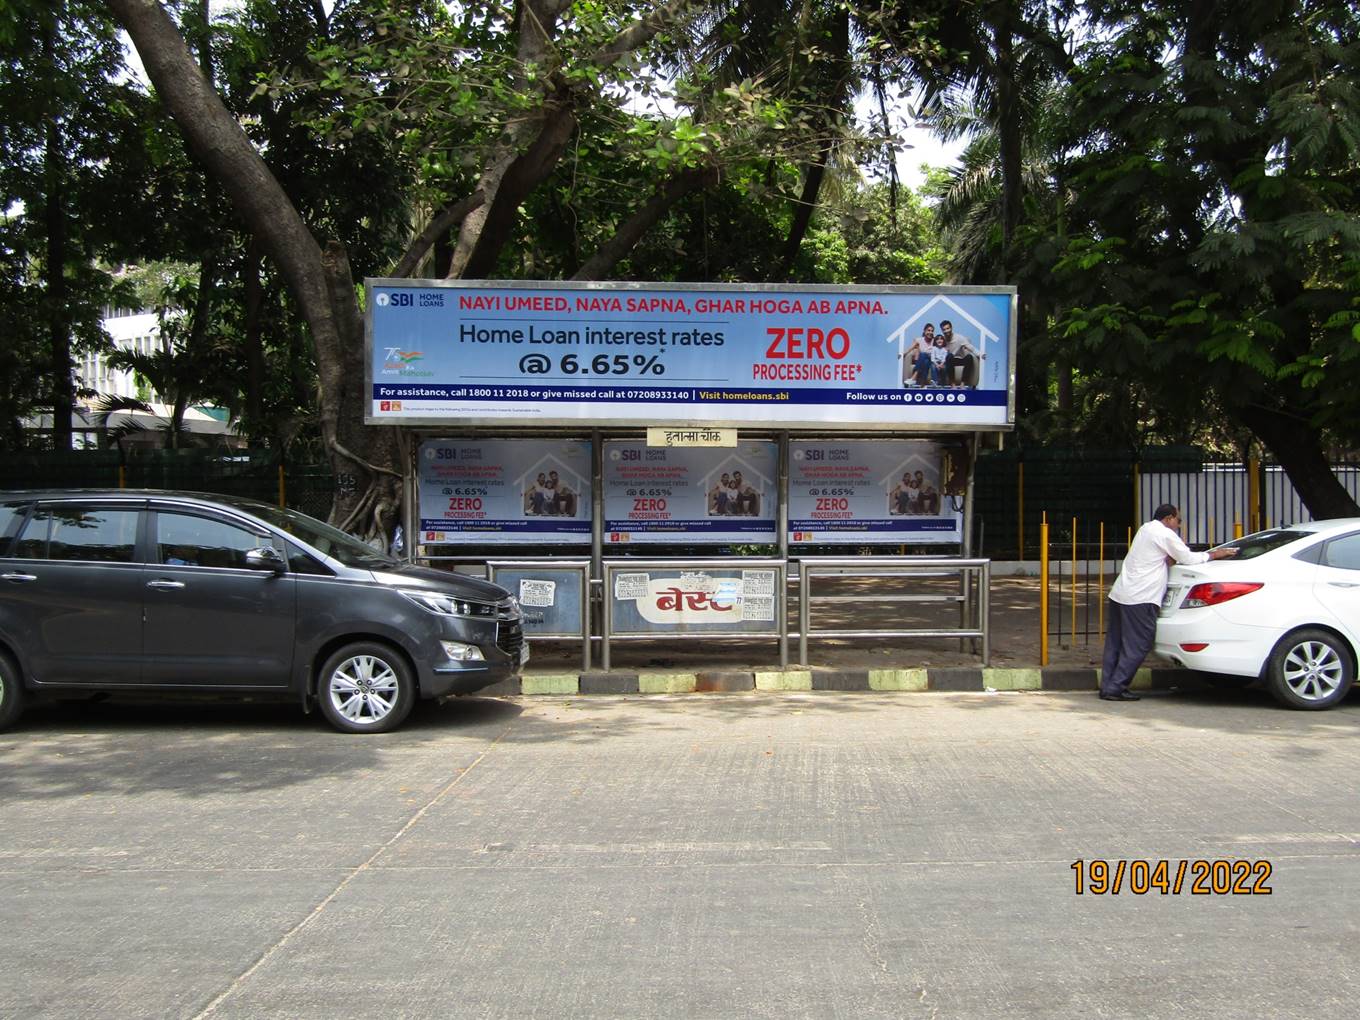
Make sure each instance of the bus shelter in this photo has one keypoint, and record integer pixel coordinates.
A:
(652, 462)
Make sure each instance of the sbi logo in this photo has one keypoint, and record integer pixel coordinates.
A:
(405, 299)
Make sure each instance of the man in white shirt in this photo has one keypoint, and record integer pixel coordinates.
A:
(1136, 597)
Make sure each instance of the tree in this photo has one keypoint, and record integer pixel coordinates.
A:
(319, 276)
(68, 123)
(1214, 237)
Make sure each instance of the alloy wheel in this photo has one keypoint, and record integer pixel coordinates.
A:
(363, 689)
(1313, 670)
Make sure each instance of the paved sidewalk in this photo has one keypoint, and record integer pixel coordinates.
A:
(753, 857)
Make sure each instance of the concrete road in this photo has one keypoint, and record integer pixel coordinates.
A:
(800, 855)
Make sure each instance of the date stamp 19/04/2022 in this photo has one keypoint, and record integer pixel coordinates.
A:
(1098, 876)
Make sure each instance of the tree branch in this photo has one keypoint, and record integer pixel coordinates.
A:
(631, 231)
(355, 458)
(445, 220)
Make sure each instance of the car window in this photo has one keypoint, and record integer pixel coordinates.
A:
(192, 541)
(300, 562)
(11, 516)
(1343, 552)
(97, 534)
(1264, 541)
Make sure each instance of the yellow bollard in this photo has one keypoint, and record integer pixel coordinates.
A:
(283, 505)
(1237, 526)
(1043, 590)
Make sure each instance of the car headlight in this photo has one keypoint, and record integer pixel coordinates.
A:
(457, 651)
(444, 604)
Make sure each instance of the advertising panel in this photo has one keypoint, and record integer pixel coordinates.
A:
(876, 491)
(696, 495)
(551, 598)
(503, 491)
(677, 600)
(483, 353)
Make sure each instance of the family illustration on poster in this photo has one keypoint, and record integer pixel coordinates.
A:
(730, 489)
(550, 489)
(910, 487)
(940, 355)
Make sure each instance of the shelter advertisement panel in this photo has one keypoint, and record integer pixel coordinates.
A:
(661, 601)
(500, 491)
(876, 491)
(491, 353)
(551, 598)
(697, 495)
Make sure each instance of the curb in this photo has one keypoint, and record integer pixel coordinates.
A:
(956, 679)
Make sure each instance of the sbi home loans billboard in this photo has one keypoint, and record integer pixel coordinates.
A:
(560, 354)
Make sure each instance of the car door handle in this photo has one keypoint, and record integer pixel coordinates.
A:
(165, 585)
(1343, 584)
(19, 578)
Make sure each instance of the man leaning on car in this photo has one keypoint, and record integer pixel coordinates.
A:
(1136, 596)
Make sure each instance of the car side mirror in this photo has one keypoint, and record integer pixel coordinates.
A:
(265, 558)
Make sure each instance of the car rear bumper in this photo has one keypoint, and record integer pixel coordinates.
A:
(1228, 648)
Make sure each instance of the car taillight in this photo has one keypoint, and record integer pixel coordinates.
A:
(1214, 592)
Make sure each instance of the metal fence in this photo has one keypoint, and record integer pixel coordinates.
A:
(256, 474)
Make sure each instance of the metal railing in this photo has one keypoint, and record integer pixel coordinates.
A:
(775, 620)
(537, 584)
(972, 597)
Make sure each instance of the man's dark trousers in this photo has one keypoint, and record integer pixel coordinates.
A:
(1128, 640)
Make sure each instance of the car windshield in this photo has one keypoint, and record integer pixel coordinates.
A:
(1263, 542)
(322, 537)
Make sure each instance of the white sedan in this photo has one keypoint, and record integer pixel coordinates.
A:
(1285, 609)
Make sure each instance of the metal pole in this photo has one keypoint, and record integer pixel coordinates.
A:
(1074, 580)
(606, 607)
(965, 606)
(985, 613)
(410, 501)
(597, 540)
(1043, 590)
(1100, 591)
(784, 616)
(804, 616)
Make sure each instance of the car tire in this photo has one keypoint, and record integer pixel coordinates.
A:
(1310, 669)
(365, 687)
(11, 691)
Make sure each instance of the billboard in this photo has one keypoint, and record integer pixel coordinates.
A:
(502, 491)
(693, 495)
(482, 353)
(888, 491)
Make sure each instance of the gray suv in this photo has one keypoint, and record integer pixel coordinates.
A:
(124, 591)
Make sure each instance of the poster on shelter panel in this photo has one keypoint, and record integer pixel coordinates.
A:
(502, 491)
(876, 491)
(691, 495)
(487, 353)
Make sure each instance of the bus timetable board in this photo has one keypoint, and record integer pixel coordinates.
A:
(482, 353)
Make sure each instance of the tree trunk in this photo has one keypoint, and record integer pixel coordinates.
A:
(1294, 444)
(802, 215)
(1009, 137)
(533, 145)
(365, 458)
(252, 288)
(54, 215)
(635, 228)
